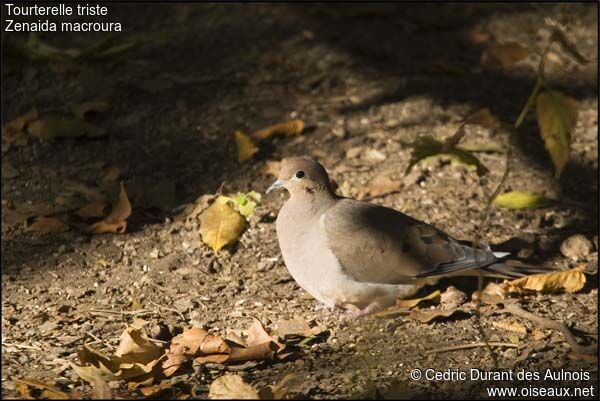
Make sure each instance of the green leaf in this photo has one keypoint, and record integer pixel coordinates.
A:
(427, 146)
(246, 202)
(557, 116)
(521, 200)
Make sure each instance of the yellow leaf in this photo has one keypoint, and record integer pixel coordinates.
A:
(557, 116)
(231, 386)
(521, 200)
(411, 303)
(51, 127)
(221, 225)
(245, 147)
(48, 225)
(289, 128)
(569, 280)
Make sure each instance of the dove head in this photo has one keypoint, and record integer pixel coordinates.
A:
(302, 175)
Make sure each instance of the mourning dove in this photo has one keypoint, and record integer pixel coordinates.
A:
(361, 257)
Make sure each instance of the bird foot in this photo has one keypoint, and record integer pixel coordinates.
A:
(353, 315)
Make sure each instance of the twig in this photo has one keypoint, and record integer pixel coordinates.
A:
(169, 309)
(551, 324)
(22, 346)
(472, 345)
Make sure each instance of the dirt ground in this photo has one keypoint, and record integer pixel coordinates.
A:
(368, 76)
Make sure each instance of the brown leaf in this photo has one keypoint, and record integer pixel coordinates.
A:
(569, 280)
(257, 334)
(193, 343)
(286, 385)
(49, 391)
(434, 297)
(492, 294)
(231, 386)
(426, 316)
(289, 128)
(154, 390)
(298, 327)
(116, 221)
(87, 109)
(92, 210)
(48, 225)
(271, 168)
(483, 117)
(503, 55)
(220, 224)
(135, 346)
(101, 390)
(379, 186)
(245, 147)
(256, 352)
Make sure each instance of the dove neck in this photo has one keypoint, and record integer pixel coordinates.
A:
(313, 201)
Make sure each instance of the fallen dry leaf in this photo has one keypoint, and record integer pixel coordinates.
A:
(51, 127)
(245, 147)
(48, 391)
(289, 128)
(299, 327)
(569, 280)
(194, 343)
(426, 316)
(434, 297)
(220, 224)
(511, 325)
(116, 221)
(483, 117)
(48, 225)
(92, 210)
(379, 186)
(492, 294)
(503, 55)
(135, 346)
(231, 386)
(101, 390)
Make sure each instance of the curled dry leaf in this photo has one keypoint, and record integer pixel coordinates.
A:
(51, 127)
(94, 210)
(245, 147)
(503, 55)
(434, 297)
(299, 328)
(48, 391)
(195, 343)
(511, 325)
(426, 316)
(521, 200)
(379, 186)
(220, 224)
(492, 294)
(289, 128)
(557, 116)
(568, 280)
(231, 387)
(135, 362)
(48, 225)
(116, 221)
(102, 391)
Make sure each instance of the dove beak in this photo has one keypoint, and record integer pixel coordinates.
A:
(277, 184)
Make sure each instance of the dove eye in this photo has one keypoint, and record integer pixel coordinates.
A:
(300, 174)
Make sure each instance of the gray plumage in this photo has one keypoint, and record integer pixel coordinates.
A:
(360, 256)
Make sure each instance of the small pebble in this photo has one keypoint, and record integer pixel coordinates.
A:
(576, 246)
